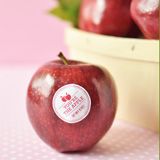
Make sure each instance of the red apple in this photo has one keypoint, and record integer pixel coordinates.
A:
(110, 17)
(79, 123)
(146, 15)
(68, 96)
(64, 99)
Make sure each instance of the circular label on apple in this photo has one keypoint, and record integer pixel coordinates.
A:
(71, 103)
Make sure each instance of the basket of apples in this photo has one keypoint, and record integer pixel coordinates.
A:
(123, 36)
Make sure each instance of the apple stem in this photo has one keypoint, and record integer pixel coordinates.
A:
(63, 58)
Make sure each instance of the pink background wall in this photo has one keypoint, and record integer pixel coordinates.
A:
(28, 34)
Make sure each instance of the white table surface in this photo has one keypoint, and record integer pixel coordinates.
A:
(18, 141)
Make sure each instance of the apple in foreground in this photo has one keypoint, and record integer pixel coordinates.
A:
(146, 15)
(71, 104)
(110, 17)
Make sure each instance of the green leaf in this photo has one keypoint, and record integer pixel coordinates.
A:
(67, 10)
(69, 4)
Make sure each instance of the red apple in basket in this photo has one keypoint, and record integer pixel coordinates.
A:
(146, 15)
(88, 112)
(110, 17)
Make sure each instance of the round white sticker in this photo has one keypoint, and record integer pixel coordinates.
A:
(71, 103)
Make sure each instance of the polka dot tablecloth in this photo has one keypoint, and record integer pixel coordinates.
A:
(18, 141)
(123, 142)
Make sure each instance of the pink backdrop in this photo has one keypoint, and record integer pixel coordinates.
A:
(28, 34)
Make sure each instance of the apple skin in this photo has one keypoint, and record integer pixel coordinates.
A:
(58, 134)
(109, 17)
(146, 14)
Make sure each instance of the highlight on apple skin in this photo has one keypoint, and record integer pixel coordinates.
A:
(109, 17)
